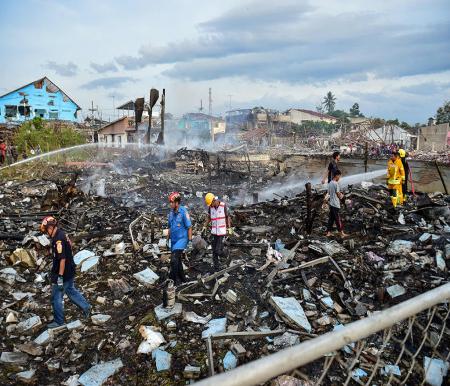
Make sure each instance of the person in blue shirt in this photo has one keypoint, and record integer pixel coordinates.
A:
(180, 236)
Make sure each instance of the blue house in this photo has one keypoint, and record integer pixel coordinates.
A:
(41, 98)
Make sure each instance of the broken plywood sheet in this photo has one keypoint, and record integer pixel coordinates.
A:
(291, 311)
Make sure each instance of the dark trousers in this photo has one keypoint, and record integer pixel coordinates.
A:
(176, 267)
(405, 187)
(334, 217)
(217, 249)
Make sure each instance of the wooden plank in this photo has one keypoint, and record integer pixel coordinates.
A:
(311, 263)
(246, 334)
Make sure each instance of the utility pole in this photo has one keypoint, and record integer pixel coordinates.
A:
(114, 107)
(210, 102)
(229, 106)
(94, 127)
(160, 140)
(92, 110)
(201, 105)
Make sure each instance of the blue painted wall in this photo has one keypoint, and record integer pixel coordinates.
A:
(42, 99)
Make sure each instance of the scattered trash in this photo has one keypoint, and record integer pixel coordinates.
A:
(435, 370)
(215, 326)
(194, 318)
(18, 358)
(399, 247)
(292, 311)
(395, 290)
(162, 359)
(391, 369)
(153, 339)
(81, 256)
(146, 277)
(98, 374)
(99, 319)
(89, 263)
(164, 313)
(229, 361)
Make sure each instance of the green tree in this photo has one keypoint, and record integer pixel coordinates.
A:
(405, 125)
(443, 113)
(393, 122)
(354, 110)
(38, 132)
(340, 114)
(329, 102)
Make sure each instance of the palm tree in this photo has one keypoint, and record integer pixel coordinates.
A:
(329, 101)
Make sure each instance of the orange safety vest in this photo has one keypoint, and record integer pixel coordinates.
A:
(218, 220)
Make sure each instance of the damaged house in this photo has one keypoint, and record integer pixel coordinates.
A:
(41, 98)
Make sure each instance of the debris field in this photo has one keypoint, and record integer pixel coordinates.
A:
(281, 283)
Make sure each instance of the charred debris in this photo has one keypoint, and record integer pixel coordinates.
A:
(282, 283)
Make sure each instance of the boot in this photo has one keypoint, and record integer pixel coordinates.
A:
(216, 262)
(181, 274)
(173, 274)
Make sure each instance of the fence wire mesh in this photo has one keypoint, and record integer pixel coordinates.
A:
(415, 351)
(406, 344)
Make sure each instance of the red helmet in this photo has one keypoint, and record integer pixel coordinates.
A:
(49, 220)
(174, 196)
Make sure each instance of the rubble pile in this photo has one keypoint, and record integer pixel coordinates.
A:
(279, 285)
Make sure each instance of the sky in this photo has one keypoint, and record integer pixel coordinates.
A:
(391, 57)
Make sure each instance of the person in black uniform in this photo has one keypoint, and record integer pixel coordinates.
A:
(63, 273)
(332, 168)
(405, 163)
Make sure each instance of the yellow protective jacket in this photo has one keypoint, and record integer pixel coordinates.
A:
(394, 176)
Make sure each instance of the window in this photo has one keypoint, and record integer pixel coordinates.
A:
(10, 111)
(40, 113)
(53, 115)
(24, 110)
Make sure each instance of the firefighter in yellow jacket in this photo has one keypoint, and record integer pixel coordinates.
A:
(395, 179)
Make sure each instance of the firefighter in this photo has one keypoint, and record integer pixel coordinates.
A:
(63, 273)
(395, 176)
(220, 221)
(180, 236)
(405, 164)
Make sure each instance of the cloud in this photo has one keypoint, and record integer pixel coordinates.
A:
(297, 42)
(69, 69)
(106, 67)
(108, 82)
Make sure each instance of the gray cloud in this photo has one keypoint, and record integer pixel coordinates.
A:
(428, 88)
(106, 67)
(69, 69)
(292, 42)
(108, 83)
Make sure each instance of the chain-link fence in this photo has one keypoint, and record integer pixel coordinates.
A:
(408, 344)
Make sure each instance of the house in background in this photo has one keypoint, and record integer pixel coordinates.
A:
(299, 116)
(118, 132)
(123, 130)
(41, 98)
